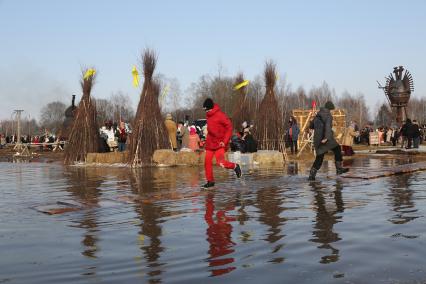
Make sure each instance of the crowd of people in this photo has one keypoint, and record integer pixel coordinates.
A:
(408, 135)
(191, 136)
(114, 136)
(45, 141)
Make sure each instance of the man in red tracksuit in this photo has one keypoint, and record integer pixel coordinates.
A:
(219, 132)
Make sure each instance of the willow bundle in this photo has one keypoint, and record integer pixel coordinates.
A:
(84, 135)
(149, 132)
(241, 110)
(269, 118)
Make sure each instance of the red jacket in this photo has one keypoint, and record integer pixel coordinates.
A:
(219, 128)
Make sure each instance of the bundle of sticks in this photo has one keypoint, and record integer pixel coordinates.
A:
(84, 135)
(241, 111)
(269, 119)
(149, 130)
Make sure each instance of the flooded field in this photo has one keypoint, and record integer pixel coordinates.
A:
(157, 226)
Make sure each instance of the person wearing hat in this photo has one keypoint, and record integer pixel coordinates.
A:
(171, 130)
(324, 141)
(219, 129)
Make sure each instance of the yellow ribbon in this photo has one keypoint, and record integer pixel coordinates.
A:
(242, 84)
(165, 92)
(135, 76)
(89, 73)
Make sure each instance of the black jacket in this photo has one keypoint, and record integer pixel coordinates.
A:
(323, 122)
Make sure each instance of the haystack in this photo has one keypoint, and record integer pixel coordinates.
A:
(269, 122)
(149, 131)
(84, 135)
(241, 110)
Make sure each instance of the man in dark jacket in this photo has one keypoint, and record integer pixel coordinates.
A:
(409, 132)
(324, 141)
(219, 131)
(404, 133)
(415, 132)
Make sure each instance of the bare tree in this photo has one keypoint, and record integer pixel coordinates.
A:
(384, 116)
(355, 107)
(104, 111)
(52, 115)
(121, 107)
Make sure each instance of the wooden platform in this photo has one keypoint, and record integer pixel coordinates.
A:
(369, 173)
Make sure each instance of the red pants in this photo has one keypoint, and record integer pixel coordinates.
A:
(220, 161)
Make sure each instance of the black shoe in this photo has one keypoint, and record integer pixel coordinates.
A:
(237, 171)
(312, 173)
(340, 169)
(209, 184)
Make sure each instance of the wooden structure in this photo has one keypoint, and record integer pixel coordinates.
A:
(240, 112)
(84, 135)
(303, 118)
(149, 131)
(269, 120)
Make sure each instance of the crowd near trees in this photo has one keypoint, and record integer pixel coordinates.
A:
(220, 87)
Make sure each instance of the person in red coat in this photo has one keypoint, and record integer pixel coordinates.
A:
(219, 131)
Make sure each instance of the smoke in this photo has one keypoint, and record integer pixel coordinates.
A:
(29, 88)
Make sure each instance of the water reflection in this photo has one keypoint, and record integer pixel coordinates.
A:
(85, 190)
(328, 212)
(150, 213)
(269, 201)
(219, 237)
(401, 199)
(292, 168)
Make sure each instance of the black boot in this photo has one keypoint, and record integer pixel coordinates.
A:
(237, 170)
(312, 173)
(340, 169)
(208, 184)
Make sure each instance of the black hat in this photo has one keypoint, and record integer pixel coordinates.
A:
(208, 104)
(329, 105)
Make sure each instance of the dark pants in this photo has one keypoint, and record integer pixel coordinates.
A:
(416, 142)
(293, 146)
(409, 142)
(320, 158)
(121, 146)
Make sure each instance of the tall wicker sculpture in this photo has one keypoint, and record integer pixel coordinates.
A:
(241, 110)
(269, 124)
(149, 131)
(84, 135)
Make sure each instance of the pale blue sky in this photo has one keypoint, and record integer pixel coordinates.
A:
(349, 44)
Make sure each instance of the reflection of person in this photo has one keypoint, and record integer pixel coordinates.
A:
(324, 222)
(219, 133)
(171, 130)
(219, 232)
(401, 199)
(324, 141)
